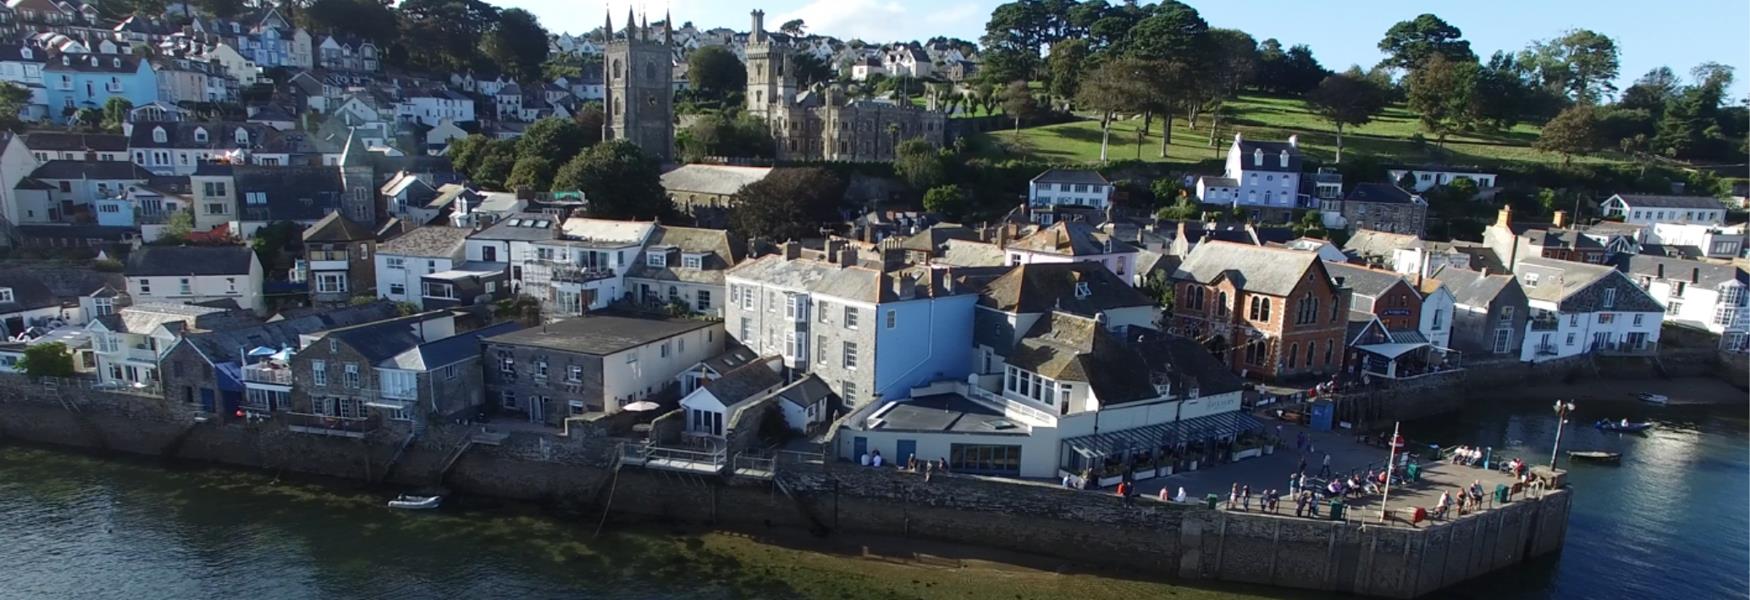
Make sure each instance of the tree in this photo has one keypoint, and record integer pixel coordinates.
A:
(1574, 131)
(1311, 224)
(368, 19)
(715, 72)
(619, 181)
(920, 164)
(1346, 99)
(1651, 91)
(554, 139)
(465, 153)
(1407, 181)
(1115, 86)
(47, 360)
(1581, 64)
(1233, 59)
(808, 70)
(793, 27)
(1018, 102)
(89, 118)
(717, 135)
(590, 121)
(949, 201)
(1168, 190)
(1066, 67)
(223, 9)
(1502, 96)
(177, 227)
(496, 162)
(789, 204)
(518, 44)
(532, 171)
(14, 99)
(1291, 71)
(1410, 43)
(1440, 94)
(1184, 209)
(447, 32)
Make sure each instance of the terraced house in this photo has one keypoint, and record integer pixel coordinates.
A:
(1266, 312)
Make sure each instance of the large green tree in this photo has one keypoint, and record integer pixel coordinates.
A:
(1581, 64)
(715, 72)
(1117, 86)
(921, 165)
(115, 113)
(1440, 92)
(445, 35)
(1290, 71)
(1410, 43)
(1574, 131)
(554, 139)
(368, 19)
(14, 99)
(1347, 99)
(53, 359)
(619, 181)
(517, 44)
(789, 204)
(1018, 103)
(714, 134)
(1066, 67)
(949, 201)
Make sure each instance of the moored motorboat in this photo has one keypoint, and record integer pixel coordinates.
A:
(406, 502)
(1623, 426)
(1652, 398)
(1595, 456)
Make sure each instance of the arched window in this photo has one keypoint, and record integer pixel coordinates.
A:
(616, 68)
(242, 136)
(650, 70)
(200, 134)
(1293, 354)
(1221, 303)
(158, 135)
(618, 104)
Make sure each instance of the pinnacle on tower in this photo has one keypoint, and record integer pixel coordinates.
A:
(631, 23)
(667, 28)
(608, 25)
(644, 28)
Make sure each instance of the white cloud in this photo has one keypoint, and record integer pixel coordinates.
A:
(878, 21)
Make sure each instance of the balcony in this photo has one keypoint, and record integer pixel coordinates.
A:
(268, 373)
(352, 427)
(580, 275)
(1546, 350)
(1634, 348)
(159, 217)
(1542, 324)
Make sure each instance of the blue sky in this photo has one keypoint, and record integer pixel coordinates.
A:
(1681, 34)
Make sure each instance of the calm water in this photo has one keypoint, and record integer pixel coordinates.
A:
(1669, 523)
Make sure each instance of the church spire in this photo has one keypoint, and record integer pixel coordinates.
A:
(631, 24)
(607, 25)
(667, 28)
(644, 28)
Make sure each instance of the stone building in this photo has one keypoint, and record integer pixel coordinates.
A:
(593, 363)
(1381, 207)
(338, 254)
(640, 94)
(335, 376)
(1266, 312)
(1490, 311)
(824, 123)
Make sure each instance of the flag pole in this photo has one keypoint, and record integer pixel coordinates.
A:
(1390, 462)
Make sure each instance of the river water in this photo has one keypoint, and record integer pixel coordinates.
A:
(1670, 522)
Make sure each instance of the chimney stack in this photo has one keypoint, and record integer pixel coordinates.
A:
(1695, 275)
(1504, 217)
(1294, 141)
(1560, 219)
(792, 250)
(759, 27)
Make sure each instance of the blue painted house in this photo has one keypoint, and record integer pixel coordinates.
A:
(79, 81)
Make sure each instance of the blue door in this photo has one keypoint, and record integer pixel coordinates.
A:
(207, 401)
(903, 450)
(859, 445)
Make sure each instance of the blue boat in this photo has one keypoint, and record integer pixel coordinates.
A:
(1623, 426)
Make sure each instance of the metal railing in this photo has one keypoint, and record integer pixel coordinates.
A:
(257, 373)
(314, 423)
(1546, 349)
(1545, 324)
(580, 275)
(51, 384)
(1626, 348)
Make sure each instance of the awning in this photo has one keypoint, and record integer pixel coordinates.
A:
(388, 404)
(1390, 351)
(1160, 434)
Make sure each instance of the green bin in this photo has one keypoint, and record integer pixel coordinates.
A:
(1213, 500)
(1413, 473)
(1501, 491)
(1336, 509)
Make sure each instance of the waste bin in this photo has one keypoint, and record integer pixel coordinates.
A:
(1413, 472)
(1336, 509)
(1213, 500)
(1501, 492)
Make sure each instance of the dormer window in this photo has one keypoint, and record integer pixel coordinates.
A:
(158, 135)
(24, 53)
(1258, 157)
(200, 134)
(693, 261)
(116, 62)
(656, 259)
(65, 61)
(1082, 291)
(242, 136)
(6, 296)
(1284, 159)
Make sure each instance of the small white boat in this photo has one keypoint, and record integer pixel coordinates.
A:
(1652, 398)
(406, 502)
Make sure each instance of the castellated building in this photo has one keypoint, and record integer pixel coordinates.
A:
(639, 90)
(823, 122)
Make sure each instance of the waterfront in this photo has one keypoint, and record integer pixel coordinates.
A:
(1670, 522)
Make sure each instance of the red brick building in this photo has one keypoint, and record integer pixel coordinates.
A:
(1266, 312)
(1383, 294)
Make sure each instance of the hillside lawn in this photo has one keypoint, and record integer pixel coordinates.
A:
(1386, 139)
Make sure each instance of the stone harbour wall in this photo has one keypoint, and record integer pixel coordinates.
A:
(1152, 539)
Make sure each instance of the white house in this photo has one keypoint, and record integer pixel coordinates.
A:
(1257, 174)
(1712, 241)
(716, 410)
(435, 106)
(1581, 307)
(582, 268)
(131, 342)
(909, 61)
(1073, 241)
(685, 266)
(402, 262)
(195, 274)
(1700, 294)
(1430, 176)
(1644, 209)
(1073, 189)
(1438, 305)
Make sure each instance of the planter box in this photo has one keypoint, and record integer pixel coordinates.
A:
(1247, 453)
(1269, 450)
(1145, 474)
(1110, 481)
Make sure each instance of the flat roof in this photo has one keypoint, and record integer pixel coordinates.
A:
(602, 334)
(945, 412)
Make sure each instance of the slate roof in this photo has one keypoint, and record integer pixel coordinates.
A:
(721, 180)
(1364, 281)
(95, 63)
(1259, 269)
(852, 283)
(1379, 193)
(1041, 287)
(968, 253)
(28, 291)
(601, 334)
(1371, 243)
(1075, 348)
(447, 351)
(188, 260)
(720, 248)
(1571, 286)
(1472, 288)
(337, 228)
(805, 392)
(145, 317)
(1072, 176)
(734, 355)
(284, 329)
(935, 239)
(743, 384)
(1667, 201)
(90, 169)
(521, 227)
(428, 242)
(304, 193)
(1561, 238)
(1071, 238)
(1272, 156)
(219, 136)
(56, 141)
(1705, 274)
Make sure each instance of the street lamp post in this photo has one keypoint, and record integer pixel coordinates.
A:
(1562, 410)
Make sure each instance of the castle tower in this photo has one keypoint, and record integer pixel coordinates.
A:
(640, 90)
(769, 81)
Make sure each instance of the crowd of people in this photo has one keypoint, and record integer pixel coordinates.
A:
(912, 464)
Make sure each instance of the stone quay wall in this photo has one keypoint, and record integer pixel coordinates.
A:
(1152, 539)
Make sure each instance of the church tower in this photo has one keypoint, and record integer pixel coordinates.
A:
(769, 81)
(640, 88)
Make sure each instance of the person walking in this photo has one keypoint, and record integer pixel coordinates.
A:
(1325, 469)
(1246, 498)
(1233, 496)
(1302, 467)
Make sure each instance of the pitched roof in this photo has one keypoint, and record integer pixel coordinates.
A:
(189, 260)
(1272, 156)
(450, 350)
(1472, 288)
(935, 238)
(1364, 281)
(1379, 193)
(1372, 243)
(744, 383)
(303, 193)
(969, 253)
(1073, 176)
(1706, 274)
(337, 228)
(61, 140)
(1041, 287)
(29, 292)
(1568, 285)
(90, 169)
(523, 227)
(721, 180)
(806, 392)
(601, 334)
(720, 249)
(1075, 348)
(428, 242)
(1071, 238)
(1668, 201)
(1260, 269)
(283, 331)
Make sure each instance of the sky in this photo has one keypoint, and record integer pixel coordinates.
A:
(1341, 33)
